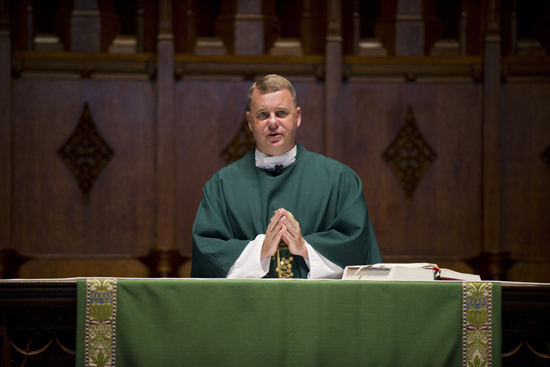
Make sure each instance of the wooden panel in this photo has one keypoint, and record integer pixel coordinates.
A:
(49, 215)
(491, 130)
(333, 138)
(310, 97)
(165, 139)
(445, 214)
(98, 266)
(207, 116)
(525, 178)
(532, 271)
(5, 139)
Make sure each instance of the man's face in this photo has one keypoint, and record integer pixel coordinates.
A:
(273, 119)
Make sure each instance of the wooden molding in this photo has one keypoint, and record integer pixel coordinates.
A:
(248, 67)
(413, 69)
(526, 69)
(355, 68)
(83, 65)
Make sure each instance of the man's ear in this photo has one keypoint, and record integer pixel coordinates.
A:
(248, 117)
(298, 116)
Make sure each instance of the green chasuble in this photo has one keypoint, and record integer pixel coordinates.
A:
(324, 195)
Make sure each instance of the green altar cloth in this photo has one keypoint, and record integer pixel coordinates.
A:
(199, 322)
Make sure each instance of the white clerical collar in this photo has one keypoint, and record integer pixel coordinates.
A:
(270, 162)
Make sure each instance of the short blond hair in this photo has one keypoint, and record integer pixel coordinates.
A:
(270, 84)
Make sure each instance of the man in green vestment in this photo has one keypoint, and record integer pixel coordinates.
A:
(281, 211)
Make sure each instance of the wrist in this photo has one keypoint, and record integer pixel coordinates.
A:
(304, 253)
(267, 250)
(263, 253)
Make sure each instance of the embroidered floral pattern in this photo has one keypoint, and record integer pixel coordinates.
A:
(477, 324)
(100, 322)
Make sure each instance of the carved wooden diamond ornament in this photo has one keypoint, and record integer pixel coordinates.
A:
(409, 155)
(242, 143)
(545, 156)
(85, 153)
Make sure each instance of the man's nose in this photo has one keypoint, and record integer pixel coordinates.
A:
(273, 121)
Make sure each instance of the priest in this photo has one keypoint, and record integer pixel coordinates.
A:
(281, 211)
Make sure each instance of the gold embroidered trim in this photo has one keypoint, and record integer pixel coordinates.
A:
(101, 307)
(477, 324)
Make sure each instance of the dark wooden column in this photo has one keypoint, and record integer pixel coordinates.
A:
(493, 262)
(93, 27)
(248, 27)
(491, 130)
(62, 23)
(462, 28)
(165, 128)
(29, 24)
(185, 27)
(86, 26)
(408, 27)
(384, 27)
(356, 27)
(333, 81)
(416, 27)
(474, 12)
(409, 30)
(305, 27)
(248, 34)
(351, 26)
(9, 259)
(140, 26)
(5, 127)
(190, 27)
(164, 260)
(150, 21)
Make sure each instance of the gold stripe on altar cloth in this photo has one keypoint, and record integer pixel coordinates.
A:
(101, 308)
(477, 324)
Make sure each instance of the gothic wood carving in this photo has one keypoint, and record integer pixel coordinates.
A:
(409, 155)
(545, 156)
(43, 346)
(241, 144)
(86, 153)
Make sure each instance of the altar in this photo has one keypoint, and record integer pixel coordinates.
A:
(132, 322)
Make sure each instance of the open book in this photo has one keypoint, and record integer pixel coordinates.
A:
(412, 271)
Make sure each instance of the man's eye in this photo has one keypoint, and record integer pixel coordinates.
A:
(262, 115)
(282, 113)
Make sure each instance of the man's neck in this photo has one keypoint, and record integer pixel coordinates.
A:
(270, 162)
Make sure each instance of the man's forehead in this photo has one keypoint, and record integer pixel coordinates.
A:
(257, 94)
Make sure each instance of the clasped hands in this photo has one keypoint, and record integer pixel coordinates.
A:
(283, 227)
